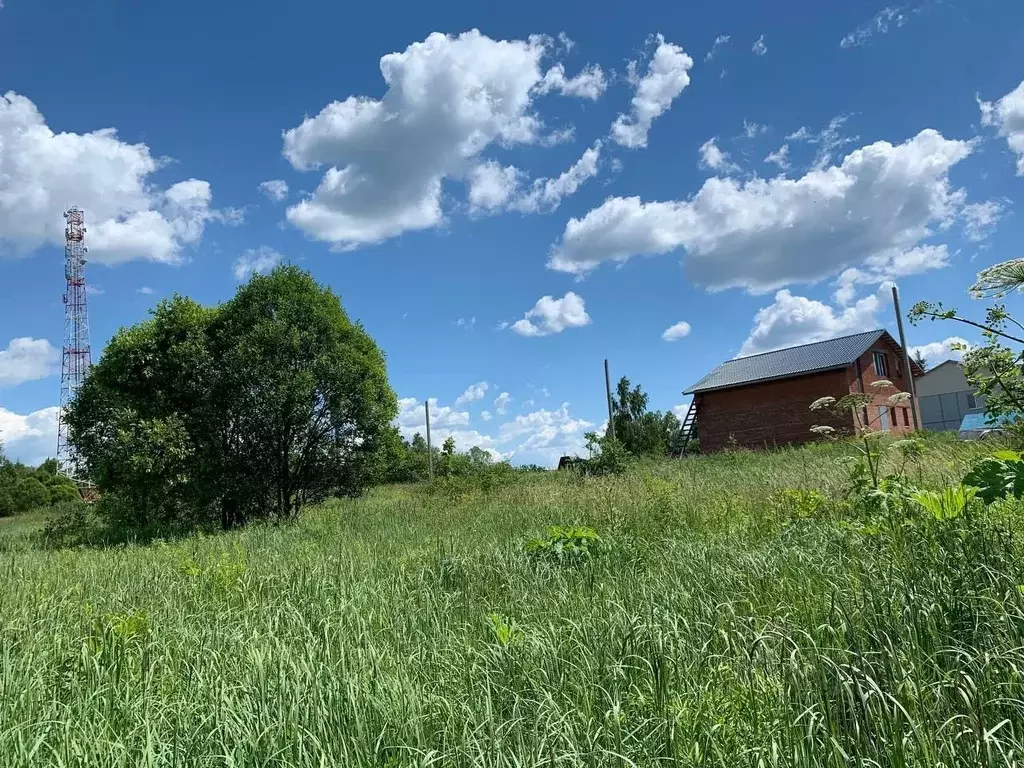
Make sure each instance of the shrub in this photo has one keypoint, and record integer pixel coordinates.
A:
(72, 524)
(798, 502)
(565, 545)
(998, 476)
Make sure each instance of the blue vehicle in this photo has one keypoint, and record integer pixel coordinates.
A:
(977, 426)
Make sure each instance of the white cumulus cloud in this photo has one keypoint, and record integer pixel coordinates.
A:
(588, 84)
(30, 438)
(275, 189)
(793, 320)
(667, 75)
(473, 392)
(256, 260)
(550, 315)
(677, 331)
(448, 99)
(779, 157)
(27, 359)
(128, 215)
(762, 234)
(1007, 116)
(713, 157)
(935, 352)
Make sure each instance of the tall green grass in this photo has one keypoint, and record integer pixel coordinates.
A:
(411, 628)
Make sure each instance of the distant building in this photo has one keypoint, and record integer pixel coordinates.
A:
(764, 400)
(945, 396)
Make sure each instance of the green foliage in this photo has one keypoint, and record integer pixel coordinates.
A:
(639, 431)
(798, 502)
(568, 545)
(710, 630)
(73, 524)
(998, 476)
(947, 503)
(220, 415)
(607, 456)
(23, 489)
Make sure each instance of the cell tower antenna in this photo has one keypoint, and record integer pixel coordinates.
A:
(77, 347)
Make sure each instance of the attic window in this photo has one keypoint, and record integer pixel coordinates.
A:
(881, 364)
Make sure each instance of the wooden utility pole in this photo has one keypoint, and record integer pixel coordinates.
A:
(430, 453)
(906, 358)
(608, 393)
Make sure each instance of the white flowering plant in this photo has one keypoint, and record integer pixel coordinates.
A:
(855, 405)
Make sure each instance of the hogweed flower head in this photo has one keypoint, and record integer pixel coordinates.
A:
(823, 402)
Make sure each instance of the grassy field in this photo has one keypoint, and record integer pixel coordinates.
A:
(717, 626)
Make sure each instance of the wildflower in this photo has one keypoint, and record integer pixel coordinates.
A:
(882, 384)
(823, 430)
(899, 397)
(823, 402)
(999, 279)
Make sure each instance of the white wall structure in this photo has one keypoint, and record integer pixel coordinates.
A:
(944, 396)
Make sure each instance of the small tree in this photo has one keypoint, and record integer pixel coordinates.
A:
(245, 410)
(641, 432)
(920, 360)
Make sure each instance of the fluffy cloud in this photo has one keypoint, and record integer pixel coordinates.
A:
(145, 290)
(828, 140)
(448, 99)
(501, 403)
(473, 392)
(588, 84)
(879, 24)
(888, 266)
(792, 320)
(762, 234)
(980, 219)
(491, 185)
(27, 359)
(411, 417)
(486, 415)
(275, 189)
(551, 432)
(759, 48)
(1007, 116)
(711, 156)
(550, 315)
(30, 438)
(667, 75)
(127, 214)
(936, 352)
(256, 260)
(677, 331)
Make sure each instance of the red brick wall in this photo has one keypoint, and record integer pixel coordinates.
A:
(897, 375)
(776, 413)
(771, 413)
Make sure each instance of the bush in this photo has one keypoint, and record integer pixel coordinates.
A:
(73, 524)
(565, 545)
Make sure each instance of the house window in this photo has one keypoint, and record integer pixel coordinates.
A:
(972, 401)
(899, 368)
(906, 417)
(883, 418)
(881, 365)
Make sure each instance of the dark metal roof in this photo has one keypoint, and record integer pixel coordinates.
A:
(783, 363)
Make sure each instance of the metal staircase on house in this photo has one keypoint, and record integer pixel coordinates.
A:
(687, 431)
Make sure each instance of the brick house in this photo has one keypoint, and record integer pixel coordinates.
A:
(764, 400)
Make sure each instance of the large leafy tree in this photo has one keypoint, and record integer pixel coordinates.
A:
(246, 410)
(640, 431)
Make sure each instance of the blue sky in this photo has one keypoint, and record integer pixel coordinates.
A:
(446, 169)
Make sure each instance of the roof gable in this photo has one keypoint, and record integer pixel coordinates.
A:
(793, 361)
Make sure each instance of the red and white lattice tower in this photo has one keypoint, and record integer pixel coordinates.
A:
(77, 348)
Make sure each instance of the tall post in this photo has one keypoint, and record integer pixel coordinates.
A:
(906, 357)
(430, 453)
(608, 393)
